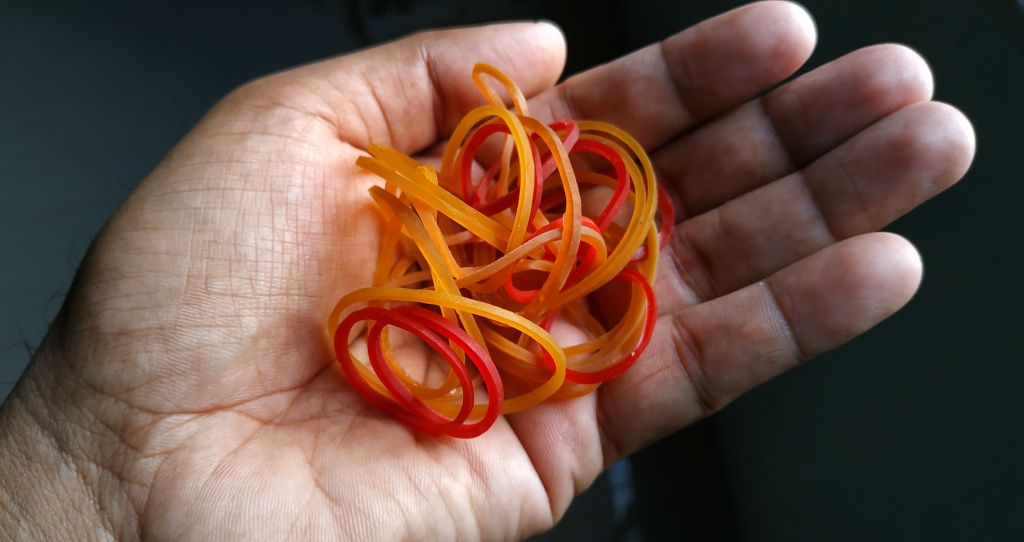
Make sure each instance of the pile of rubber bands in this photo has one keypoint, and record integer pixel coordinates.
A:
(479, 262)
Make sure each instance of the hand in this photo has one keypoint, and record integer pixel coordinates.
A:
(187, 391)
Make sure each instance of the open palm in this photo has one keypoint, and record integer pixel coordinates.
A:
(205, 392)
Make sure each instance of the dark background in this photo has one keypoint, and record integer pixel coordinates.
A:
(914, 431)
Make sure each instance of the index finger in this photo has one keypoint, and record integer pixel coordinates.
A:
(665, 88)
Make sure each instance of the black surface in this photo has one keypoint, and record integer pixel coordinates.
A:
(914, 431)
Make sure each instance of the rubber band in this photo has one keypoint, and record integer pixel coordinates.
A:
(480, 264)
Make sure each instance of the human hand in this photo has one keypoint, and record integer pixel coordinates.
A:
(186, 389)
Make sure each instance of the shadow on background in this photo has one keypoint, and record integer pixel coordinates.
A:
(914, 431)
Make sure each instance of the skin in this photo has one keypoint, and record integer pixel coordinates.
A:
(186, 390)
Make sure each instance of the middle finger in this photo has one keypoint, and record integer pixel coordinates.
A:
(768, 138)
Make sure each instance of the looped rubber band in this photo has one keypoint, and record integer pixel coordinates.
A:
(482, 258)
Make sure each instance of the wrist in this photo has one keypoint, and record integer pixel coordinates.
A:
(51, 485)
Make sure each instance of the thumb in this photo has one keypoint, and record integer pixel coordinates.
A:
(410, 93)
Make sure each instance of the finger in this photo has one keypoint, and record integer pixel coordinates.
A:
(766, 139)
(658, 91)
(706, 355)
(409, 93)
(862, 185)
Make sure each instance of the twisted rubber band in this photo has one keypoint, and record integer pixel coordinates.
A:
(480, 269)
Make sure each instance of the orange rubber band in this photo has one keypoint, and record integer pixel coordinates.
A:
(491, 262)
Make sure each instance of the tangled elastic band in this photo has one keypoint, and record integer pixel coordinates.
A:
(479, 263)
